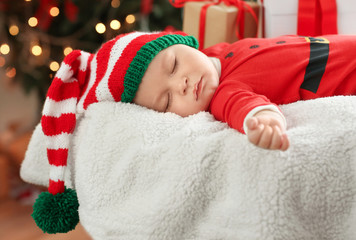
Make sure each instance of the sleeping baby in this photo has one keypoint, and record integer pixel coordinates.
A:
(241, 84)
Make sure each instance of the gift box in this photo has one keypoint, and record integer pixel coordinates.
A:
(282, 17)
(221, 22)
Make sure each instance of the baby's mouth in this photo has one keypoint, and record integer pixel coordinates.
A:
(197, 89)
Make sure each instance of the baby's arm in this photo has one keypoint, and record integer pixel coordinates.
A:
(266, 129)
(253, 114)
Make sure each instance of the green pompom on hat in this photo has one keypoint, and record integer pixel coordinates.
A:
(56, 213)
(114, 74)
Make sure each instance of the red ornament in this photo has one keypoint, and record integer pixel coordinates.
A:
(170, 28)
(43, 12)
(146, 6)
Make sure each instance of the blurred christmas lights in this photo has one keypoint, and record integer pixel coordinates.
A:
(67, 50)
(4, 49)
(54, 11)
(115, 3)
(36, 50)
(130, 19)
(32, 22)
(36, 40)
(115, 24)
(54, 66)
(14, 30)
(100, 28)
(10, 72)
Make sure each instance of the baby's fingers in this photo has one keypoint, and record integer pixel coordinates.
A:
(285, 142)
(266, 137)
(252, 123)
(255, 134)
(276, 142)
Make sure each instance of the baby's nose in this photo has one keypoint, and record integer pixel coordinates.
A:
(183, 86)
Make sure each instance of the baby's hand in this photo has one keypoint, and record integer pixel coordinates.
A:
(266, 129)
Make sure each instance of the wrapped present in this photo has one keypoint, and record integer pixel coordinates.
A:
(309, 17)
(222, 21)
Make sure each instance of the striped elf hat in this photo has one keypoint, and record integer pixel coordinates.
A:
(113, 73)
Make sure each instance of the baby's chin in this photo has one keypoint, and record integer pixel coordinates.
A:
(204, 107)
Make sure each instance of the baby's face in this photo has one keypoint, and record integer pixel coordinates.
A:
(180, 79)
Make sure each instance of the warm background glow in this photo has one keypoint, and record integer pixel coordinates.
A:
(54, 11)
(4, 49)
(54, 66)
(33, 22)
(115, 3)
(115, 24)
(36, 50)
(14, 30)
(100, 28)
(130, 19)
(67, 50)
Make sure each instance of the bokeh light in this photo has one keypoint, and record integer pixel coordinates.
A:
(54, 66)
(33, 22)
(130, 18)
(4, 49)
(67, 50)
(115, 24)
(54, 11)
(36, 50)
(100, 28)
(14, 30)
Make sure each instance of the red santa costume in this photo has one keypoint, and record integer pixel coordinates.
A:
(259, 74)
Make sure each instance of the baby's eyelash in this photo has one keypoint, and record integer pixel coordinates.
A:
(174, 65)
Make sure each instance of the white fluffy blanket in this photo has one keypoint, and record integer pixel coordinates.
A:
(140, 174)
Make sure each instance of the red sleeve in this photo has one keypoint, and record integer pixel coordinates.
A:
(233, 100)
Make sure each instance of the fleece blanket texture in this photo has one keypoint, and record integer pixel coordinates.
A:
(140, 174)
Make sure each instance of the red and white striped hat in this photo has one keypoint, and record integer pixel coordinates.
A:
(113, 73)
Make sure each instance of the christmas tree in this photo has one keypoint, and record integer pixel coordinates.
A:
(35, 35)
